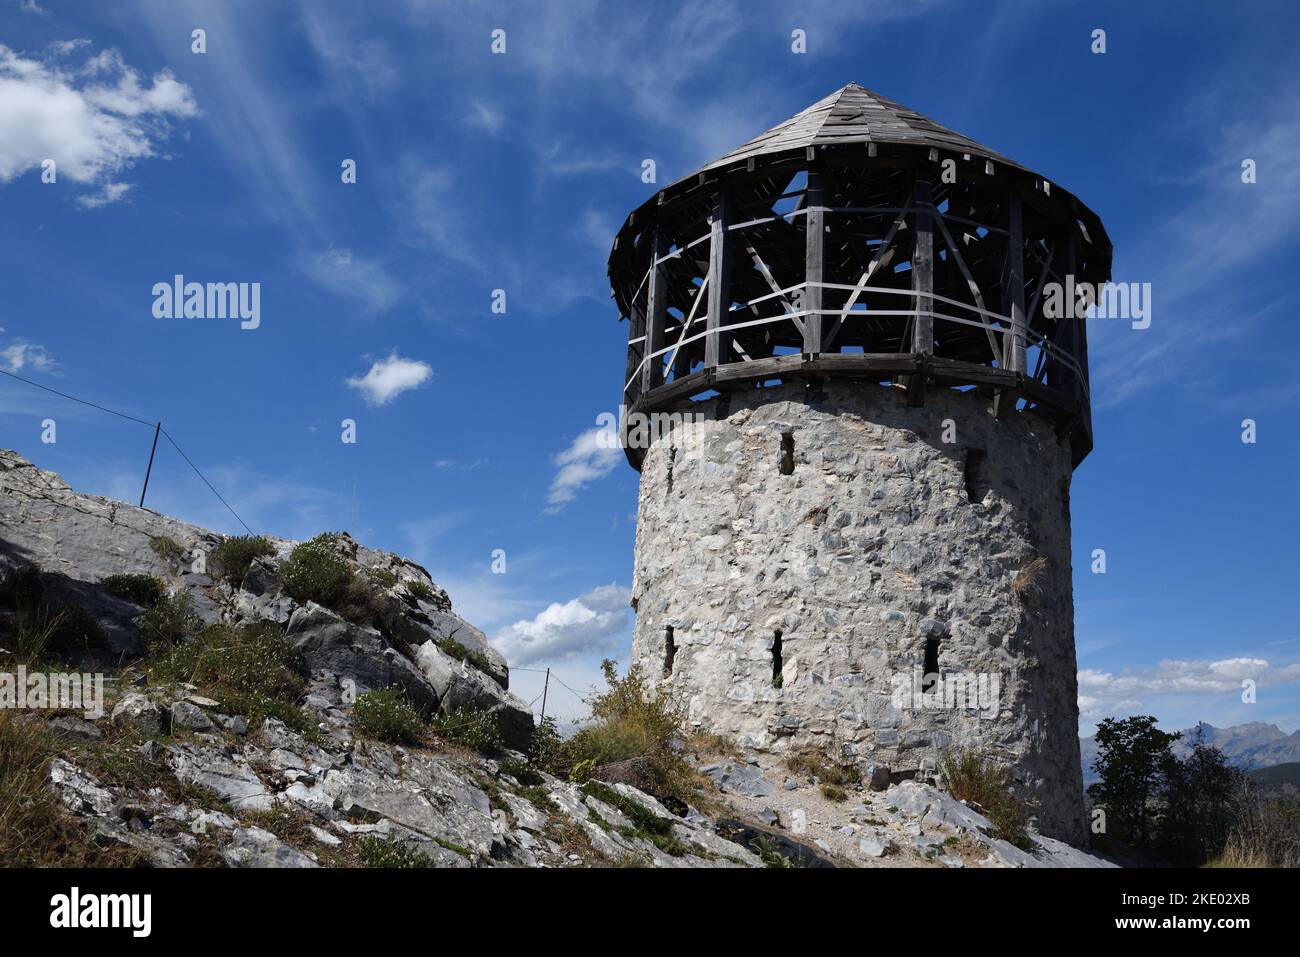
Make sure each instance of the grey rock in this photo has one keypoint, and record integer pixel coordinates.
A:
(136, 711)
(741, 779)
(187, 715)
(874, 847)
(356, 652)
(459, 685)
(254, 847)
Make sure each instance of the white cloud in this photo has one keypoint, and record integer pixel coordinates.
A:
(1102, 693)
(389, 378)
(590, 456)
(588, 625)
(95, 121)
(20, 355)
(342, 273)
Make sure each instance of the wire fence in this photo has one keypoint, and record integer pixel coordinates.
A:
(552, 676)
(157, 426)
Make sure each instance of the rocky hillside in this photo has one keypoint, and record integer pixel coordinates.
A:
(273, 703)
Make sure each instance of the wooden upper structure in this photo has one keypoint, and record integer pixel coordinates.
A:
(860, 239)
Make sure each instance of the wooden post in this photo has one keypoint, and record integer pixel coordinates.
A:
(652, 371)
(1066, 335)
(815, 260)
(719, 291)
(149, 468)
(1014, 350)
(923, 287)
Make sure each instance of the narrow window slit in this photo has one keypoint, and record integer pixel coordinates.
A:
(670, 651)
(787, 453)
(777, 663)
(930, 673)
(976, 477)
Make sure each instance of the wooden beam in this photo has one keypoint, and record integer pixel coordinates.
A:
(922, 287)
(715, 344)
(652, 370)
(1014, 351)
(815, 260)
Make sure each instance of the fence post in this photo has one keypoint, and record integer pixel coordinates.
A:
(545, 687)
(157, 429)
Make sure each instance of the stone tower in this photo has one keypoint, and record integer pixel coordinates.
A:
(856, 396)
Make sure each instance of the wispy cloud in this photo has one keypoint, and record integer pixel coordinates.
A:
(20, 355)
(591, 456)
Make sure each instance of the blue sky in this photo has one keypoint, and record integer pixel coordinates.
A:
(478, 172)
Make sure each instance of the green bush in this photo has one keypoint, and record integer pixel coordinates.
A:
(231, 557)
(250, 669)
(169, 621)
(381, 578)
(315, 571)
(470, 727)
(980, 782)
(386, 716)
(167, 548)
(633, 738)
(833, 792)
(143, 590)
(420, 590)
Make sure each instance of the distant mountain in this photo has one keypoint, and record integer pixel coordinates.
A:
(1247, 746)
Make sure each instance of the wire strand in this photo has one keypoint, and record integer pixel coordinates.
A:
(93, 405)
(206, 482)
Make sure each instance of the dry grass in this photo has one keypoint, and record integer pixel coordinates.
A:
(1028, 581)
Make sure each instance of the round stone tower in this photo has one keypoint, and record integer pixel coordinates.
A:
(856, 390)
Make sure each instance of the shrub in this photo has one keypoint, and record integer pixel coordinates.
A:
(386, 716)
(250, 669)
(143, 590)
(232, 556)
(818, 766)
(381, 578)
(167, 548)
(632, 738)
(33, 631)
(521, 771)
(169, 621)
(54, 630)
(315, 571)
(378, 853)
(833, 792)
(470, 727)
(420, 590)
(971, 778)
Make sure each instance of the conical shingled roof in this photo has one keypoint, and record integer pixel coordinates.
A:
(854, 114)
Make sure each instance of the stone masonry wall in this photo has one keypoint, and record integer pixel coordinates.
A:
(883, 537)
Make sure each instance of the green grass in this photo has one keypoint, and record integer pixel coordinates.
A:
(381, 578)
(377, 853)
(833, 792)
(170, 621)
(815, 765)
(167, 548)
(978, 781)
(250, 669)
(645, 824)
(387, 716)
(461, 653)
(231, 557)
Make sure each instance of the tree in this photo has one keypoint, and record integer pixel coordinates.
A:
(1133, 757)
(1200, 796)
